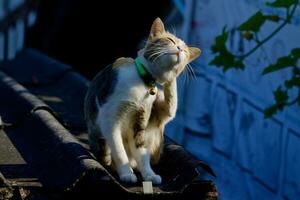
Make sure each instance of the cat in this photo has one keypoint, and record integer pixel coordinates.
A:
(126, 112)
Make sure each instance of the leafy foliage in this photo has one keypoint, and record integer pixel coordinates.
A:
(283, 62)
(296, 53)
(281, 96)
(249, 30)
(270, 111)
(225, 58)
(253, 23)
(294, 82)
(282, 3)
(220, 42)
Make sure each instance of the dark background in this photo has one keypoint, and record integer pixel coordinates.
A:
(88, 36)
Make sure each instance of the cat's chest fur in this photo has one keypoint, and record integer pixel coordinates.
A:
(128, 97)
(131, 88)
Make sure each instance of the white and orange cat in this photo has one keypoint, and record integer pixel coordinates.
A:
(126, 113)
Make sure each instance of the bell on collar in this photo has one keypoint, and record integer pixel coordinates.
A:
(152, 90)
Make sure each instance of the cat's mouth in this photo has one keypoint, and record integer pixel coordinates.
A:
(176, 55)
(179, 56)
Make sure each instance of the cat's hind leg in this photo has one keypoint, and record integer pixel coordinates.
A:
(99, 146)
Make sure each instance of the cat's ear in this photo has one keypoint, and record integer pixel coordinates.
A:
(157, 28)
(194, 53)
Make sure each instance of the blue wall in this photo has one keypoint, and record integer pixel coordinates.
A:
(220, 116)
(14, 35)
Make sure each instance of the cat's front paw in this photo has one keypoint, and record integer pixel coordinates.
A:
(156, 179)
(128, 178)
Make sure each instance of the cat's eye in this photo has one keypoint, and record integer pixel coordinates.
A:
(171, 40)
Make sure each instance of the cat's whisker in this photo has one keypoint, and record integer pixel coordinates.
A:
(154, 60)
(189, 72)
(192, 72)
(173, 30)
(189, 75)
(161, 51)
(166, 52)
(157, 54)
(154, 51)
(156, 48)
(185, 76)
(192, 68)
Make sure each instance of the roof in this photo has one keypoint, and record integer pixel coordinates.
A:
(44, 146)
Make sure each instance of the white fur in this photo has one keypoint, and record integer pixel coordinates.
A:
(117, 118)
(129, 88)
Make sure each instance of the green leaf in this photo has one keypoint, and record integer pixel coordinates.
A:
(226, 60)
(218, 60)
(270, 111)
(222, 60)
(220, 43)
(281, 96)
(253, 23)
(238, 64)
(283, 62)
(296, 71)
(295, 81)
(296, 53)
(282, 3)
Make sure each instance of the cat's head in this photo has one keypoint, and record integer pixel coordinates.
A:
(167, 54)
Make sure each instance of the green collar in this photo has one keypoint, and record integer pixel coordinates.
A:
(144, 74)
